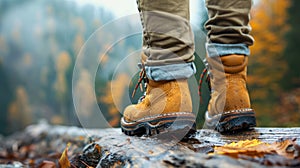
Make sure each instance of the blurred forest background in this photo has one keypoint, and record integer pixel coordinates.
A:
(40, 39)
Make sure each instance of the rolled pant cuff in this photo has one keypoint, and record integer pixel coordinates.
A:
(217, 49)
(171, 72)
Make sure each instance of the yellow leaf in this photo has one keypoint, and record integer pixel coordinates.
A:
(64, 161)
(257, 148)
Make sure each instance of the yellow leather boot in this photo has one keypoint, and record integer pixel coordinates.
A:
(229, 109)
(166, 106)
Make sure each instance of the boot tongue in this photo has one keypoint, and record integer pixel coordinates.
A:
(233, 60)
(234, 63)
(156, 83)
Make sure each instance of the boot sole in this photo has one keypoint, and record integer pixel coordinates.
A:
(174, 124)
(234, 121)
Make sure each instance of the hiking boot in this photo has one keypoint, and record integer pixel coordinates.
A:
(165, 107)
(229, 109)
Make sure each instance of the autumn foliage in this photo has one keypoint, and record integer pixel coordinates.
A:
(268, 64)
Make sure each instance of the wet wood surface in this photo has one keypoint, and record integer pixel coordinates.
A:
(119, 150)
(265, 134)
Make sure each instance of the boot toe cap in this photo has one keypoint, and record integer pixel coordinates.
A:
(128, 113)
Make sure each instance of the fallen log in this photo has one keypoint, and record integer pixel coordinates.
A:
(43, 144)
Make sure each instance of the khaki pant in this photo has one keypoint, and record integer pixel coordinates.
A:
(168, 38)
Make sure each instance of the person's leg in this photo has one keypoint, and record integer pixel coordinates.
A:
(167, 63)
(228, 27)
(167, 39)
(227, 56)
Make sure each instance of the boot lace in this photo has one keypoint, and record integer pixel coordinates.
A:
(204, 75)
(142, 80)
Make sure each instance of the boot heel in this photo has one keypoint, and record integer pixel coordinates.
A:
(230, 122)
